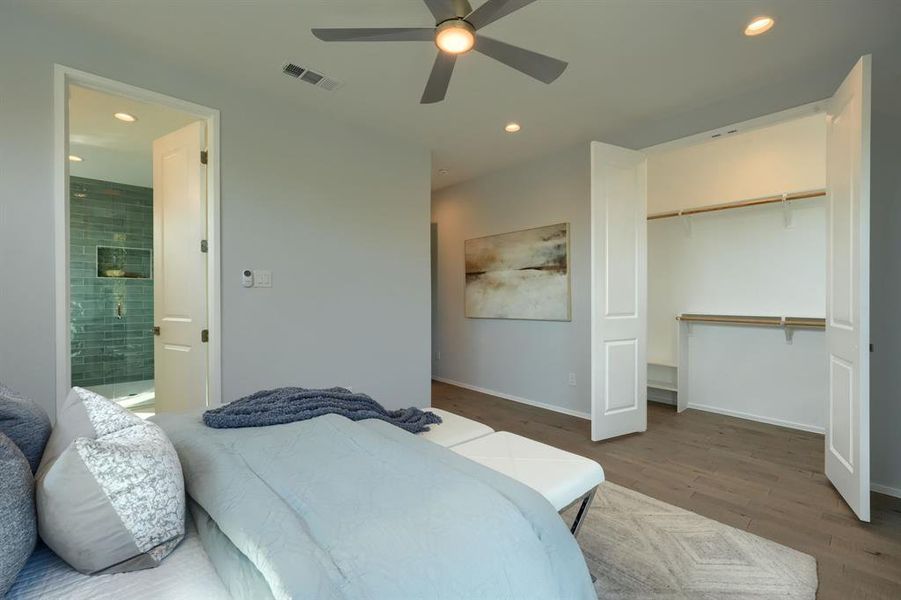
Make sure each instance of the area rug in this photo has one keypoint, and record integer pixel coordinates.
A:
(639, 547)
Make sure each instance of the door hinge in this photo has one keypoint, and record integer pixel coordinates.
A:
(205, 335)
(204, 246)
(156, 330)
(204, 157)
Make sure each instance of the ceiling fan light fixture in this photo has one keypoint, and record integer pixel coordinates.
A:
(455, 36)
(759, 25)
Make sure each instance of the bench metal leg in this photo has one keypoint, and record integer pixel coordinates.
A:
(583, 512)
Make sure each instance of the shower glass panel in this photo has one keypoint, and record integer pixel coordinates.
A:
(111, 290)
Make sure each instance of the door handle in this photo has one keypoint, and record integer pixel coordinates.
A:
(156, 330)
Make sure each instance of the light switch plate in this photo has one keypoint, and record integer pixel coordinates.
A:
(262, 279)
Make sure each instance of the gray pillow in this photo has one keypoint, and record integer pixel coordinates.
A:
(110, 492)
(25, 423)
(18, 529)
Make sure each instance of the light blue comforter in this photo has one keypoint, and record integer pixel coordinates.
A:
(331, 508)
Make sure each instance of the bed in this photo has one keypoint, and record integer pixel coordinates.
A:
(331, 508)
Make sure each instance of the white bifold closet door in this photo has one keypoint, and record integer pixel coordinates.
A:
(848, 289)
(180, 269)
(619, 297)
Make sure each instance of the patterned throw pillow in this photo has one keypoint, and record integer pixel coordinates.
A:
(110, 493)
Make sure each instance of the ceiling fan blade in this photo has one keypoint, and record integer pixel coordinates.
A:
(439, 79)
(462, 7)
(541, 67)
(381, 34)
(493, 10)
(443, 10)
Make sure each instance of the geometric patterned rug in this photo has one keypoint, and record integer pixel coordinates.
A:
(639, 547)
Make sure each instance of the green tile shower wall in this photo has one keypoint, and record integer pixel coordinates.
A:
(105, 348)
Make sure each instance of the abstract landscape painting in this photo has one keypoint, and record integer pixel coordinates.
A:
(519, 275)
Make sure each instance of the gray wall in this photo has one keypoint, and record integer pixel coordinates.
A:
(885, 278)
(527, 359)
(340, 215)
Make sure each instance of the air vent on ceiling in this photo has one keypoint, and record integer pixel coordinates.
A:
(312, 77)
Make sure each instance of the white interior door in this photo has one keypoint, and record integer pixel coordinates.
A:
(847, 289)
(618, 291)
(179, 269)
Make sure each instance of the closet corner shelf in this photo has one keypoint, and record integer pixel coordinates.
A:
(759, 321)
(660, 363)
(663, 385)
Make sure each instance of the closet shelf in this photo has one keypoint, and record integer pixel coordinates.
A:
(663, 385)
(781, 322)
(739, 204)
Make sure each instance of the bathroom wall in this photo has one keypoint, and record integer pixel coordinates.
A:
(108, 347)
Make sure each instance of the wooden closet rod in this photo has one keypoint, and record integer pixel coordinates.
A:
(783, 322)
(739, 204)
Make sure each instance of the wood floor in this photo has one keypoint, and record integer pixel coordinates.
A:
(761, 478)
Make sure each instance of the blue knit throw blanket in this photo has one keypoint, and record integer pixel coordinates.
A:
(289, 404)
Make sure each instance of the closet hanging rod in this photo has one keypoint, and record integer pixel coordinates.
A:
(783, 322)
(739, 204)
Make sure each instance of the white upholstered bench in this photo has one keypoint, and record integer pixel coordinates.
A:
(454, 429)
(562, 477)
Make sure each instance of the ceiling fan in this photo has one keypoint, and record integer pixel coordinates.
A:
(456, 24)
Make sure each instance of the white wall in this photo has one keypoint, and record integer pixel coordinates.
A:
(529, 360)
(339, 215)
(742, 262)
(752, 373)
(767, 161)
(885, 281)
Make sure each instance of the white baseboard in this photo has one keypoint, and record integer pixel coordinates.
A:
(885, 489)
(759, 419)
(475, 388)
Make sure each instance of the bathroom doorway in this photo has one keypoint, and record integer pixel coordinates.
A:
(140, 223)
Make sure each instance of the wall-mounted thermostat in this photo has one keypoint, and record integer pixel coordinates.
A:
(247, 278)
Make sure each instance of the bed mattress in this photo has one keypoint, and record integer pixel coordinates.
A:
(185, 574)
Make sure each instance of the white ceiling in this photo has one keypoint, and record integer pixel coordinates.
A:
(641, 72)
(114, 150)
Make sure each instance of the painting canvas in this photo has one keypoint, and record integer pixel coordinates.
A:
(519, 275)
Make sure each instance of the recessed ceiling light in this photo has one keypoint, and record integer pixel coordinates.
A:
(442, 171)
(455, 36)
(124, 116)
(512, 127)
(759, 25)
(75, 158)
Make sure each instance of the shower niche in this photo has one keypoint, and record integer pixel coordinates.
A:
(124, 263)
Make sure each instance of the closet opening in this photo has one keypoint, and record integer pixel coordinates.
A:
(736, 231)
(730, 274)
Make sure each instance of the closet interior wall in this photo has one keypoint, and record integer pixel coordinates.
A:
(758, 260)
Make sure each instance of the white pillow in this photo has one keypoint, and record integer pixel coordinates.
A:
(110, 492)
